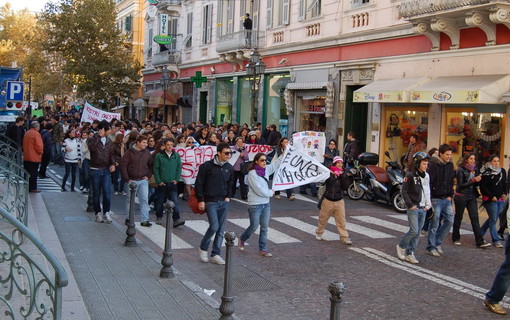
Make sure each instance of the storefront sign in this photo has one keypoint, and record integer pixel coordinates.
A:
(163, 39)
(311, 143)
(153, 2)
(163, 23)
(455, 96)
(298, 169)
(90, 114)
(316, 108)
(385, 96)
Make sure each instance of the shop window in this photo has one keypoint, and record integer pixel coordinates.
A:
(401, 123)
(224, 90)
(470, 131)
(276, 111)
(312, 115)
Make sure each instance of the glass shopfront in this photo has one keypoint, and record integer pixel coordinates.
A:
(245, 111)
(275, 109)
(312, 106)
(224, 88)
(400, 124)
(469, 130)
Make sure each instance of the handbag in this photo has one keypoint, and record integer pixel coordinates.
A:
(430, 214)
(193, 202)
(244, 167)
(152, 182)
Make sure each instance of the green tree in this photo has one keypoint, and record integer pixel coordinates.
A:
(17, 35)
(95, 59)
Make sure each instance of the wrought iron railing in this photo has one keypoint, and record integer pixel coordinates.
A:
(411, 8)
(31, 278)
(8, 151)
(245, 39)
(14, 189)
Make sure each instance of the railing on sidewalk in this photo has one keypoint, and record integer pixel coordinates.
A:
(8, 151)
(31, 278)
(14, 189)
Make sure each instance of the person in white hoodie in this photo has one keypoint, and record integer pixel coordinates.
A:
(259, 196)
(72, 158)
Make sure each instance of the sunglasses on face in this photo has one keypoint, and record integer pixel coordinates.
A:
(262, 160)
(228, 153)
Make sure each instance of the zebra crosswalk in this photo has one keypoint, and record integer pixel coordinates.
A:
(285, 230)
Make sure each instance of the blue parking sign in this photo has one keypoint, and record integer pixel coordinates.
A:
(15, 90)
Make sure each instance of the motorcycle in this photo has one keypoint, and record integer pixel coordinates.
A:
(376, 182)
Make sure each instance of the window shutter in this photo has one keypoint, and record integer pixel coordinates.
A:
(230, 16)
(286, 12)
(128, 23)
(302, 8)
(209, 18)
(269, 14)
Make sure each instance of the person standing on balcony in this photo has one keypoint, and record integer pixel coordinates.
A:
(248, 26)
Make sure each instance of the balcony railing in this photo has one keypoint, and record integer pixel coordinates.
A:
(246, 39)
(166, 58)
(169, 5)
(412, 8)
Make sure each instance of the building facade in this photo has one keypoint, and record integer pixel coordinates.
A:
(384, 69)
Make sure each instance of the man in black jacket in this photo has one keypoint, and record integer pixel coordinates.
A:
(441, 188)
(274, 136)
(16, 131)
(213, 187)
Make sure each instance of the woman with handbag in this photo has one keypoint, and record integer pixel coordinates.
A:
(468, 178)
(493, 187)
(259, 200)
(332, 202)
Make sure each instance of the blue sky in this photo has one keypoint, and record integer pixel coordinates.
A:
(32, 5)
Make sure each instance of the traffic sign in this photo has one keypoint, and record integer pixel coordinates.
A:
(15, 90)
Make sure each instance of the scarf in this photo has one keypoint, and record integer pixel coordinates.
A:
(218, 162)
(259, 170)
(490, 170)
(336, 171)
(421, 174)
(470, 167)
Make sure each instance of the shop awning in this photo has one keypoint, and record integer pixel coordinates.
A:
(488, 89)
(505, 98)
(158, 98)
(306, 85)
(391, 90)
(140, 103)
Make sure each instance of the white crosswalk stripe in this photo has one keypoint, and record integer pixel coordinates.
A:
(306, 227)
(356, 228)
(403, 217)
(156, 234)
(274, 235)
(382, 223)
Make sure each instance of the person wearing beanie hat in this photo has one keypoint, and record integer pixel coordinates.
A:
(252, 138)
(332, 202)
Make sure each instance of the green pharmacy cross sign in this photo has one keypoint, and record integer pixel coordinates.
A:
(198, 79)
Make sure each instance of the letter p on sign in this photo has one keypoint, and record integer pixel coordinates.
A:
(15, 90)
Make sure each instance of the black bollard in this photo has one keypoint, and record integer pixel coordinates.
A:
(90, 202)
(131, 230)
(167, 261)
(227, 300)
(337, 290)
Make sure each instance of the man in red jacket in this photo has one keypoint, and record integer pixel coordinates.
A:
(32, 154)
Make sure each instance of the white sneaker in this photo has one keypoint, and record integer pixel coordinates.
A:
(116, 193)
(99, 217)
(107, 218)
(440, 250)
(217, 259)
(203, 255)
(318, 237)
(401, 253)
(410, 258)
(433, 253)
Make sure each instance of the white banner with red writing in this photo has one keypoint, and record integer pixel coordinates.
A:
(90, 114)
(192, 158)
(312, 143)
(298, 169)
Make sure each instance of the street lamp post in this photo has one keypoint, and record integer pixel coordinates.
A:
(165, 83)
(255, 69)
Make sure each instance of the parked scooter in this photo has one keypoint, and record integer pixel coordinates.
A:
(378, 183)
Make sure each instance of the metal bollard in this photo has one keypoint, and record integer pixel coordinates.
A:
(337, 290)
(90, 201)
(167, 261)
(227, 300)
(131, 230)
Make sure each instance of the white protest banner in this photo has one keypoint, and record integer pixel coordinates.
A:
(192, 158)
(253, 149)
(233, 158)
(310, 142)
(298, 169)
(90, 114)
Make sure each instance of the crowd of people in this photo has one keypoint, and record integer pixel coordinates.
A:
(109, 156)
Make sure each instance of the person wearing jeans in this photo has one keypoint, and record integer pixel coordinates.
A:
(500, 285)
(259, 199)
(493, 188)
(167, 172)
(72, 158)
(416, 194)
(442, 175)
(213, 187)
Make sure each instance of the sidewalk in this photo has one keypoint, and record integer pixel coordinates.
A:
(114, 282)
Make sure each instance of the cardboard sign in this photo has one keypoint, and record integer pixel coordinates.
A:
(298, 169)
(90, 114)
(310, 142)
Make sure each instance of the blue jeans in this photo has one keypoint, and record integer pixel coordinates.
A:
(84, 172)
(442, 212)
(502, 280)
(259, 215)
(142, 192)
(416, 219)
(493, 209)
(101, 184)
(216, 214)
(70, 168)
(118, 182)
(168, 191)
